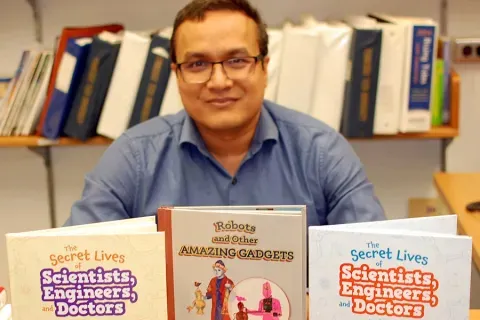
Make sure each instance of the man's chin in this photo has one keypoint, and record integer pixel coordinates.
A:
(224, 122)
(224, 126)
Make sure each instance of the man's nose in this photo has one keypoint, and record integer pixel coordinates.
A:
(219, 79)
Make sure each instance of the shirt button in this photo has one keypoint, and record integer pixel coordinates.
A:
(234, 181)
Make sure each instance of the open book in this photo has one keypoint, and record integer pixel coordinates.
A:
(103, 270)
(397, 269)
(5, 309)
(232, 262)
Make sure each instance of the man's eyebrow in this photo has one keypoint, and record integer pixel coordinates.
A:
(190, 55)
(236, 51)
(199, 54)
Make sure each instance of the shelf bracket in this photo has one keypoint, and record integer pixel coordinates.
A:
(45, 153)
(443, 153)
(443, 17)
(36, 19)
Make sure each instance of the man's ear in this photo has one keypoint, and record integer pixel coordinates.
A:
(174, 68)
(266, 60)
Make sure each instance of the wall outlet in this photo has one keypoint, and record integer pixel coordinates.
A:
(466, 50)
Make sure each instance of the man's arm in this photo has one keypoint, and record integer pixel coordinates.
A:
(349, 195)
(110, 188)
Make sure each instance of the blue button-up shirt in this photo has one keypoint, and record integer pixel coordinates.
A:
(293, 159)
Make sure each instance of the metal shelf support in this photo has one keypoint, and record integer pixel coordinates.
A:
(37, 20)
(443, 153)
(45, 153)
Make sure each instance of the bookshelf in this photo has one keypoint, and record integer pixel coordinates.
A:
(441, 132)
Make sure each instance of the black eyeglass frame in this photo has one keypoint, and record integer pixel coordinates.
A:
(257, 58)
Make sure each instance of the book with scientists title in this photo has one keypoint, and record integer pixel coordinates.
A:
(416, 268)
(107, 270)
(241, 262)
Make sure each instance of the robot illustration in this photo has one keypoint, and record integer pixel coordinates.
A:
(269, 308)
(199, 302)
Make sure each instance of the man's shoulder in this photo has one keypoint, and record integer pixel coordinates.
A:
(161, 128)
(299, 124)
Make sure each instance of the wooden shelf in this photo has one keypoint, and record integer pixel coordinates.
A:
(93, 141)
(37, 141)
(443, 132)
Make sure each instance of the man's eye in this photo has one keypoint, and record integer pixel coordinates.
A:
(236, 61)
(196, 64)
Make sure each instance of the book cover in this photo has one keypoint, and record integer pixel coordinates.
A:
(89, 99)
(361, 83)
(3, 297)
(228, 264)
(153, 83)
(385, 272)
(97, 273)
(421, 36)
(69, 76)
(332, 57)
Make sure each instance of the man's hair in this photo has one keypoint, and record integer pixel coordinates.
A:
(197, 9)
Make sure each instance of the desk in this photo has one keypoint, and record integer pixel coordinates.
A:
(457, 190)
(474, 314)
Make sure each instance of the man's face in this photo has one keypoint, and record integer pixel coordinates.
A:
(218, 272)
(221, 103)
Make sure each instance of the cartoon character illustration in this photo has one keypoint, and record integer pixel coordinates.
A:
(199, 302)
(219, 290)
(3, 297)
(268, 307)
(242, 312)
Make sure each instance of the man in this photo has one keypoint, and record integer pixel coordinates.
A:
(218, 290)
(229, 146)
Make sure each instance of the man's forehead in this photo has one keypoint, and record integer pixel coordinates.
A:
(219, 29)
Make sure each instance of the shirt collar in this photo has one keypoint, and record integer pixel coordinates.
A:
(266, 130)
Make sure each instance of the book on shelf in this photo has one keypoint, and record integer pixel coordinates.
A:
(403, 83)
(416, 268)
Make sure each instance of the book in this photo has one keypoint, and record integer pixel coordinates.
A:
(232, 262)
(6, 312)
(421, 37)
(105, 270)
(69, 76)
(89, 99)
(414, 268)
(3, 297)
(361, 82)
(332, 57)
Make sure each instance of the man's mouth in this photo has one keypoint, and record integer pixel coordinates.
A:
(222, 102)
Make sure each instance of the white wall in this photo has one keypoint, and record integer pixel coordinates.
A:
(399, 169)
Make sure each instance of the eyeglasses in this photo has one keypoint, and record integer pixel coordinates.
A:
(196, 72)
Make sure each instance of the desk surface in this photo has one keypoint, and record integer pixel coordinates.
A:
(457, 190)
(474, 314)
